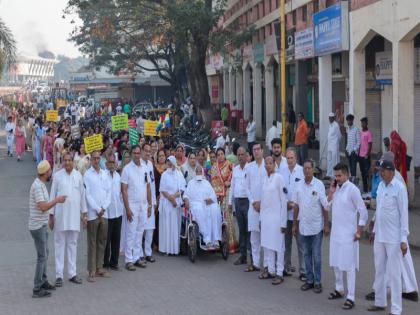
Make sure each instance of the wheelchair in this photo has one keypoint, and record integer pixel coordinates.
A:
(193, 239)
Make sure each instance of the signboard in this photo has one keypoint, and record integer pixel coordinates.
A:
(304, 44)
(93, 143)
(247, 53)
(331, 30)
(258, 52)
(216, 127)
(383, 68)
(75, 132)
(150, 127)
(271, 45)
(134, 136)
(132, 123)
(290, 45)
(52, 115)
(119, 122)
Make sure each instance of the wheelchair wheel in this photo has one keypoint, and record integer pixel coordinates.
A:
(224, 243)
(192, 243)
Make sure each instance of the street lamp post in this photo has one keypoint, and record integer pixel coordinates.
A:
(283, 72)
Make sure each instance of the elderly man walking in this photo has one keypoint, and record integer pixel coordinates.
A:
(333, 145)
(65, 219)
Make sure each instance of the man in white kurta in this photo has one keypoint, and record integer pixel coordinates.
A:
(273, 217)
(333, 145)
(172, 185)
(255, 175)
(10, 135)
(391, 232)
(136, 193)
(201, 199)
(346, 204)
(150, 222)
(65, 218)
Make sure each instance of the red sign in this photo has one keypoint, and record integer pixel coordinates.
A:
(132, 123)
(216, 127)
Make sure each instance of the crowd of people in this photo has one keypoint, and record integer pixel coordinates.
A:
(131, 199)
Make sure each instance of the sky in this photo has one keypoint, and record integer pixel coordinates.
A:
(38, 25)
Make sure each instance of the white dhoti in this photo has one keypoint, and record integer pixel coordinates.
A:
(388, 261)
(333, 158)
(134, 232)
(169, 227)
(65, 241)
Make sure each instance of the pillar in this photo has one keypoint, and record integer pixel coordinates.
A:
(300, 90)
(232, 86)
(239, 89)
(247, 91)
(325, 104)
(269, 97)
(403, 93)
(225, 86)
(257, 98)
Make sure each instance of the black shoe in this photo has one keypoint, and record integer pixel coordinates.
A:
(292, 269)
(286, 274)
(240, 261)
(76, 280)
(47, 286)
(307, 286)
(370, 296)
(115, 268)
(41, 293)
(140, 263)
(411, 296)
(302, 277)
(59, 282)
(318, 288)
(150, 259)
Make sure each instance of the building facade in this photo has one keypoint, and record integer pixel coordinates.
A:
(29, 68)
(355, 56)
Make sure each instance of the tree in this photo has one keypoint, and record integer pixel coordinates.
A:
(7, 47)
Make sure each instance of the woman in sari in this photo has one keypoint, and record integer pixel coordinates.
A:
(20, 135)
(47, 146)
(158, 168)
(220, 176)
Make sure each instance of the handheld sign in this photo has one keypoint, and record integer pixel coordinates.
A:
(75, 132)
(119, 122)
(134, 136)
(150, 127)
(93, 143)
(52, 115)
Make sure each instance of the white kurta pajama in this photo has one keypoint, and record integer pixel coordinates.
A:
(67, 218)
(346, 204)
(150, 221)
(10, 138)
(273, 218)
(255, 175)
(208, 217)
(391, 229)
(333, 144)
(136, 177)
(171, 182)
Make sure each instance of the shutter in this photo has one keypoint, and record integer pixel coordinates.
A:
(417, 125)
(373, 113)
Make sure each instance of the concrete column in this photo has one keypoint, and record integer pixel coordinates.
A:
(239, 89)
(269, 97)
(403, 85)
(232, 86)
(257, 98)
(225, 86)
(300, 88)
(247, 91)
(325, 104)
(357, 91)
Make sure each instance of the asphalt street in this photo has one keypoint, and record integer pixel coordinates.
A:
(172, 285)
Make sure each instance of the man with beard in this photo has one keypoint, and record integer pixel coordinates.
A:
(39, 205)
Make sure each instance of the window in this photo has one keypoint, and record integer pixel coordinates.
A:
(294, 17)
(304, 13)
(315, 6)
(336, 63)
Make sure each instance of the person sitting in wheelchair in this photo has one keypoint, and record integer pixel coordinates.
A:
(201, 201)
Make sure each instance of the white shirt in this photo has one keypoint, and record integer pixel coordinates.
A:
(347, 202)
(238, 187)
(391, 223)
(151, 179)
(255, 176)
(115, 209)
(311, 200)
(334, 136)
(271, 134)
(221, 142)
(10, 126)
(250, 130)
(98, 194)
(282, 167)
(291, 180)
(67, 214)
(136, 177)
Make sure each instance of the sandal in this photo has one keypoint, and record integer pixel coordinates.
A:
(348, 305)
(277, 280)
(251, 268)
(335, 295)
(265, 275)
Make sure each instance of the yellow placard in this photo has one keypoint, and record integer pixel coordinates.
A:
(52, 115)
(150, 128)
(120, 122)
(93, 143)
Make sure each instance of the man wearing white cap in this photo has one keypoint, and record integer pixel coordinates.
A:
(39, 204)
(333, 144)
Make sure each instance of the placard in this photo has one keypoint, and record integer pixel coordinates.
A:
(52, 115)
(75, 132)
(119, 122)
(150, 127)
(132, 123)
(93, 143)
(134, 136)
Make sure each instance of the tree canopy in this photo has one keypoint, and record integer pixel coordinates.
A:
(7, 47)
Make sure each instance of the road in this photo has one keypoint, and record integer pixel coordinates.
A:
(172, 285)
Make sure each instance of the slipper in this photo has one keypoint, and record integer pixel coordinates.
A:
(265, 275)
(91, 278)
(335, 295)
(251, 268)
(348, 305)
